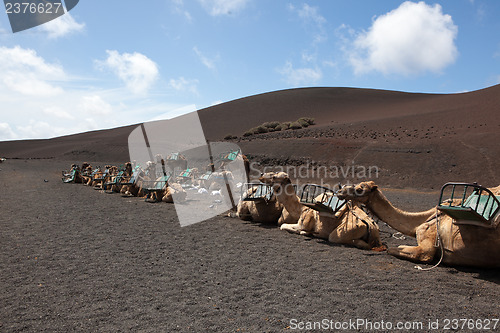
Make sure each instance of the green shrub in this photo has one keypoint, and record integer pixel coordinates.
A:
(283, 126)
(309, 121)
(271, 124)
(262, 129)
(295, 125)
(303, 122)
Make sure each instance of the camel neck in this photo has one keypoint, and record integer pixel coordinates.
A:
(402, 221)
(287, 197)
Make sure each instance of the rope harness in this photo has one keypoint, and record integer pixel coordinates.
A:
(437, 243)
(351, 209)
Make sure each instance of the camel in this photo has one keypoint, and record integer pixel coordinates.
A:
(239, 158)
(172, 190)
(73, 175)
(349, 226)
(458, 244)
(104, 176)
(134, 189)
(127, 173)
(176, 161)
(89, 174)
(264, 211)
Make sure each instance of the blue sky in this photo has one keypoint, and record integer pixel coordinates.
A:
(111, 63)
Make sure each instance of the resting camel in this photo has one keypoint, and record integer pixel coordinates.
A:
(134, 189)
(464, 245)
(127, 173)
(350, 225)
(174, 190)
(264, 211)
(73, 175)
(241, 159)
(176, 161)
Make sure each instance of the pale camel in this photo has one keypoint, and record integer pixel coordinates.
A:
(240, 158)
(349, 226)
(459, 244)
(174, 190)
(176, 161)
(264, 211)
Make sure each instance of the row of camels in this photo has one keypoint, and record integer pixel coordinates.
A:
(159, 180)
(438, 235)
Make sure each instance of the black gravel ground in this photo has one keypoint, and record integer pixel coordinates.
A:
(76, 259)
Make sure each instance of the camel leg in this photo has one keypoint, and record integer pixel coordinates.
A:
(350, 236)
(293, 228)
(425, 251)
(243, 212)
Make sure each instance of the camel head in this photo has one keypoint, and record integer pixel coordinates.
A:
(113, 170)
(128, 168)
(277, 180)
(360, 193)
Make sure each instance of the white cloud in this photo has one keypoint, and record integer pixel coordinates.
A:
(412, 39)
(310, 15)
(62, 26)
(6, 132)
(308, 57)
(300, 76)
(28, 84)
(208, 62)
(38, 129)
(58, 112)
(23, 71)
(223, 7)
(182, 84)
(94, 105)
(179, 9)
(137, 71)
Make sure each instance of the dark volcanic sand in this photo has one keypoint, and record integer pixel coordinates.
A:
(75, 259)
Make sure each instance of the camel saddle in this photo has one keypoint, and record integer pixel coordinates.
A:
(470, 204)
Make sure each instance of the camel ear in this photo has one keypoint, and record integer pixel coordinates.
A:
(372, 185)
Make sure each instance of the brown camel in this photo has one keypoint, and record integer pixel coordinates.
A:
(74, 175)
(349, 226)
(133, 186)
(458, 244)
(264, 211)
(174, 190)
(239, 158)
(176, 161)
(117, 184)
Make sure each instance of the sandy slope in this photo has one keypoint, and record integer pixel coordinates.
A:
(415, 140)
